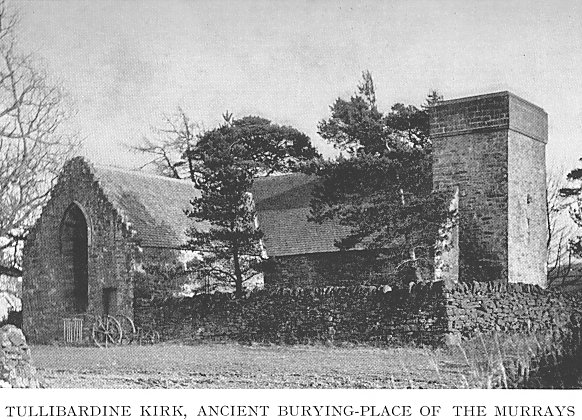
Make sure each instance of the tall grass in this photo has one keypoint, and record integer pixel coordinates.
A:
(521, 361)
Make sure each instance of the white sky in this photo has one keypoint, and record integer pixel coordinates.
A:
(126, 64)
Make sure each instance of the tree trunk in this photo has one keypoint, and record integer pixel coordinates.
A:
(415, 267)
(190, 164)
(237, 273)
(411, 251)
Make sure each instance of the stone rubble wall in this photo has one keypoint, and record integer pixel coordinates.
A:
(426, 314)
(514, 307)
(360, 314)
(16, 369)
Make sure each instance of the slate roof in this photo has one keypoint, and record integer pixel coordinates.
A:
(282, 204)
(154, 206)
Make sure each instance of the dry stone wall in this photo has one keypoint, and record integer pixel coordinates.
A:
(16, 370)
(426, 314)
(514, 307)
(361, 314)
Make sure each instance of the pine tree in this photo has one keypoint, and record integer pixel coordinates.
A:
(575, 192)
(229, 158)
(383, 190)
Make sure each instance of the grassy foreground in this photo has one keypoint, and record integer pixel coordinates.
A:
(495, 361)
(237, 366)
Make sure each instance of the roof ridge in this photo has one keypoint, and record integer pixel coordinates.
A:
(139, 172)
(286, 175)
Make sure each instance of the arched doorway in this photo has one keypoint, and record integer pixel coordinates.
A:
(74, 250)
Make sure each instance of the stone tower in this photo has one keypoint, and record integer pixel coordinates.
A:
(492, 148)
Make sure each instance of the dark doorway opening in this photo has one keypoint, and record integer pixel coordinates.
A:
(109, 300)
(74, 248)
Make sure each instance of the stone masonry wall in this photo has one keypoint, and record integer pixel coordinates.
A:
(492, 147)
(476, 163)
(527, 218)
(364, 314)
(482, 197)
(47, 294)
(332, 269)
(514, 307)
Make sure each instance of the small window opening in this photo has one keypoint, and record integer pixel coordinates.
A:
(109, 300)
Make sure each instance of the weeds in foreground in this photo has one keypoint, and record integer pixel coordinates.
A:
(521, 361)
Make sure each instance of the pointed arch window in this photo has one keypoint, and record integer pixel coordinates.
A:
(74, 244)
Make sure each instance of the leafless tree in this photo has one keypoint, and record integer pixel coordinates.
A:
(32, 144)
(560, 228)
(170, 148)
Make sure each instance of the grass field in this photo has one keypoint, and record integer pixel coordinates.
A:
(237, 366)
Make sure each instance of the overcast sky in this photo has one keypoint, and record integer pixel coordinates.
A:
(126, 64)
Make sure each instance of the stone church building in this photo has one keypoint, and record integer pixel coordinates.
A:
(102, 223)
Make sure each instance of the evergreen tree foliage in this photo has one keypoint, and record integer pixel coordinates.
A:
(264, 147)
(229, 158)
(575, 192)
(383, 188)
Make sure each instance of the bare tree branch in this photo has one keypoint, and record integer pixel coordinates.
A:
(32, 144)
(170, 147)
